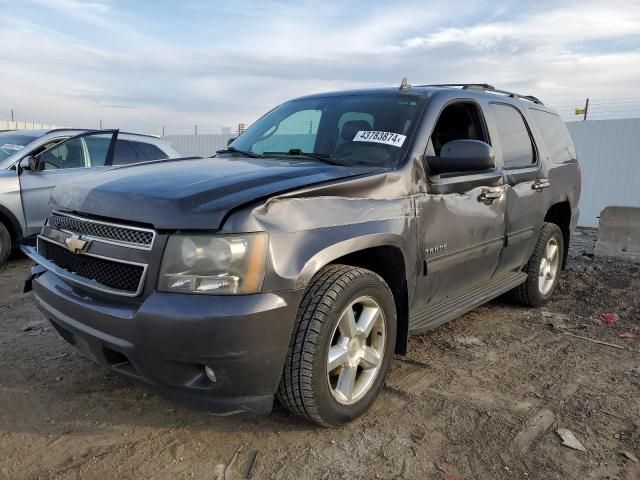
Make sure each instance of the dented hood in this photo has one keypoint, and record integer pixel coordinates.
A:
(190, 193)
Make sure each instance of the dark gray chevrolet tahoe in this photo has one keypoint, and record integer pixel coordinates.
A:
(297, 261)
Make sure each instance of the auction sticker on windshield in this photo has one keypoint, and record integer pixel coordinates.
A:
(388, 138)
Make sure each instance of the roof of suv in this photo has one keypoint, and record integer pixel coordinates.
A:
(472, 89)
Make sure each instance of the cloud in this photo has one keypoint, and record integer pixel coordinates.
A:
(554, 29)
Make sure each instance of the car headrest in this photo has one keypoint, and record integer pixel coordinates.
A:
(349, 129)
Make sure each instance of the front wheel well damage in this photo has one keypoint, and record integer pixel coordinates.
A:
(560, 214)
(388, 262)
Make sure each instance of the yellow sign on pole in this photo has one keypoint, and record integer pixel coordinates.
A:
(579, 111)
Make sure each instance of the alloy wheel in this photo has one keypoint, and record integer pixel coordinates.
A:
(549, 266)
(356, 351)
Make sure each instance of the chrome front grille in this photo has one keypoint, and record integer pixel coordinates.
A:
(108, 232)
(100, 255)
(112, 274)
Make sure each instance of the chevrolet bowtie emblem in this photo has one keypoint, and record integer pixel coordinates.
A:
(75, 243)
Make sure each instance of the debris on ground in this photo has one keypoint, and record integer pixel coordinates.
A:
(35, 332)
(630, 456)
(33, 326)
(248, 471)
(570, 440)
(470, 341)
(627, 334)
(56, 357)
(610, 318)
(218, 471)
(227, 471)
(596, 341)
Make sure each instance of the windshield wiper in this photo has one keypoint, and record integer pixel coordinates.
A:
(323, 157)
(246, 153)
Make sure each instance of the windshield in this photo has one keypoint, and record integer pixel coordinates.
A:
(371, 130)
(10, 144)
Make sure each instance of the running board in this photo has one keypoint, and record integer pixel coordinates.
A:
(453, 307)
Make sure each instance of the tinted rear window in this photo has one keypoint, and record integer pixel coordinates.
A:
(148, 151)
(124, 153)
(555, 136)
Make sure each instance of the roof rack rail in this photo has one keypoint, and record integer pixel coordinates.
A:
(97, 130)
(485, 87)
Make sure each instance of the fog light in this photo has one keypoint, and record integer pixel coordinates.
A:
(210, 373)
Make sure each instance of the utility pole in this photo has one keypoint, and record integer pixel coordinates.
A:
(12, 115)
(586, 110)
(163, 130)
(195, 131)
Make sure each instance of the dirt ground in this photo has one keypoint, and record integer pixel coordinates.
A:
(479, 398)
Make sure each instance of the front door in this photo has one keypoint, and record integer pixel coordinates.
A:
(75, 156)
(461, 217)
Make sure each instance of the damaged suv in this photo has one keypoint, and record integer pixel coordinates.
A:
(296, 262)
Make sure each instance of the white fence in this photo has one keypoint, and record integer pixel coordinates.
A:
(608, 150)
(198, 145)
(609, 154)
(26, 125)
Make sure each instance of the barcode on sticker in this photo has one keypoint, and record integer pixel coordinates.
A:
(388, 138)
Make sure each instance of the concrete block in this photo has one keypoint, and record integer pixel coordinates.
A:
(619, 234)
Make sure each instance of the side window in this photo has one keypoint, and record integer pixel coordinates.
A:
(97, 148)
(147, 151)
(555, 136)
(70, 154)
(458, 121)
(298, 130)
(517, 149)
(124, 153)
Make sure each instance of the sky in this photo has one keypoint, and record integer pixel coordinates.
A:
(143, 65)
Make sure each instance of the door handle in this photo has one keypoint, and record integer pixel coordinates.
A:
(488, 196)
(541, 184)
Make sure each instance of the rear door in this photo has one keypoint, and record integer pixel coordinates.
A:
(526, 183)
(75, 156)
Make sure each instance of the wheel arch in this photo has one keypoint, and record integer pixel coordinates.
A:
(384, 255)
(560, 214)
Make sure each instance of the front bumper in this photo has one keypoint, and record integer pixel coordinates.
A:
(166, 340)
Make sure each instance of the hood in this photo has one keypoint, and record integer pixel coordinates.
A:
(190, 193)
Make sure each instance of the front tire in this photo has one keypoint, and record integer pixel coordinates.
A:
(5, 244)
(341, 346)
(543, 268)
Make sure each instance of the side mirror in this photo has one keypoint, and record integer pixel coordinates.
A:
(31, 163)
(463, 156)
(230, 141)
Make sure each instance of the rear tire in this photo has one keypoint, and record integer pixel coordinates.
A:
(5, 244)
(341, 347)
(543, 268)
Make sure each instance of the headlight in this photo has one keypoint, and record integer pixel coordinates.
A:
(213, 264)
